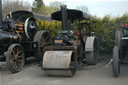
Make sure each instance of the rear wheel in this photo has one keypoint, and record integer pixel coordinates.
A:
(92, 51)
(118, 37)
(15, 58)
(120, 43)
(116, 64)
(42, 38)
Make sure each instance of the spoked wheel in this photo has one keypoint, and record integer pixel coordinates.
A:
(116, 64)
(43, 38)
(15, 58)
(92, 51)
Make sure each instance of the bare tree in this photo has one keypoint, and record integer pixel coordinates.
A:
(83, 8)
(56, 4)
(37, 4)
(14, 5)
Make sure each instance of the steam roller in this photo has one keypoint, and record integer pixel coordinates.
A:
(71, 47)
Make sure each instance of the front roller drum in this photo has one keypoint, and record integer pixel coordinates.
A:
(58, 63)
(60, 72)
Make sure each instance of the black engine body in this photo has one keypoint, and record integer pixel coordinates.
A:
(17, 30)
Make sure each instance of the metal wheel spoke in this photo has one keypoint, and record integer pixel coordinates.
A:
(15, 50)
(20, 61)
(18, 53)
(19, 57)
(44, 40)
(14, 64)
(12, 59)
(12, 56)
(13, 53)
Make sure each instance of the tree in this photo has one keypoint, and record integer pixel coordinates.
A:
(47, 10)
(83, 8)
(10, 5)
(40, 8)
(37, 4)
(56, 4)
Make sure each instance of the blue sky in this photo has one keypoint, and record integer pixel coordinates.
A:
(99, 8)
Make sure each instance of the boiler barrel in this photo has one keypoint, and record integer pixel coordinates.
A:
(7, 37)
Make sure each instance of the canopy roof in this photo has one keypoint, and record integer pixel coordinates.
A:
(72, 15)
(22, 15)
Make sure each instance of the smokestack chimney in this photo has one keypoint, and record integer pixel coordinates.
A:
(64, 16)
(1, 13)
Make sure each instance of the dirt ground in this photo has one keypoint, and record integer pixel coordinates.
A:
(87, 75)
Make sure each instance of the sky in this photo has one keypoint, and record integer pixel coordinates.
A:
(98, 8)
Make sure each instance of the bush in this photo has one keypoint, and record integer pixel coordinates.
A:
(104, 29)
(52, 26)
